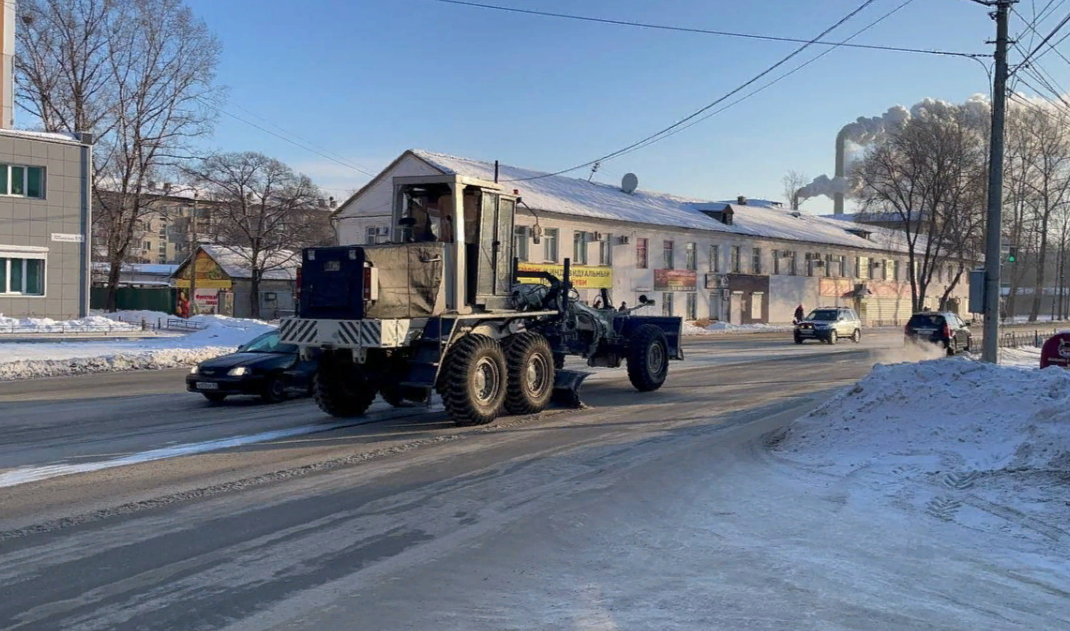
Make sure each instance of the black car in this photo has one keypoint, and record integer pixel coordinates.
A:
(263, 368)
(939, 327)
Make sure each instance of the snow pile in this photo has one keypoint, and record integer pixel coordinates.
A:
(90, 324)
(222, 335)
(717, 328)
(950, 432)
(1024, 357)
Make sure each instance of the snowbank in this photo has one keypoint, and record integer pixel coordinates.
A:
(221, 335)
(93, 323)
(717, 328)
(1024, 357)
(949, 435)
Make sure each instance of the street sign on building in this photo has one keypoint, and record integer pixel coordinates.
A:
(675, 280)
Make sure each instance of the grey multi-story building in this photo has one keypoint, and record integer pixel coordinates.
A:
(44, 224)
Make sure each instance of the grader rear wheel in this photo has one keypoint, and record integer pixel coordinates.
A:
(531, 373)
(341, 388)
(474, 382)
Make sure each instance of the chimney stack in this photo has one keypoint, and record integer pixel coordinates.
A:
(7, 63)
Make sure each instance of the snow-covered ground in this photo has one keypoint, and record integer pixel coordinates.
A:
(718, 328)
(92, 324)
(52, 359)
(983, 449)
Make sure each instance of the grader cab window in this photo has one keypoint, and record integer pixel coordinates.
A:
(427, 215)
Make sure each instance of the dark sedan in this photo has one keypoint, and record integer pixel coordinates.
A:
(263, 368)
(941, 328)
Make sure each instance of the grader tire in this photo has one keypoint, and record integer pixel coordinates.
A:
(648, 358)
(474, 382)
(531, 373)
(342, 390)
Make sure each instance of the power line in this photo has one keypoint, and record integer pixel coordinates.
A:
(284, 138)
(783, 76)
(1032, 27)
(701, 31)
(658, 135)
(1044, 41)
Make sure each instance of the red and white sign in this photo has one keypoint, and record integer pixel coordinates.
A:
(207, 300)
(1056, 351)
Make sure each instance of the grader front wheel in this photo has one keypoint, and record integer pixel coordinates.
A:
(531, 373)
(341, 389)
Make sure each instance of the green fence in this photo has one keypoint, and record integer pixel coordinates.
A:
(136, 298)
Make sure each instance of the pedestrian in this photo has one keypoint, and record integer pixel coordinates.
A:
(623, 306)
(799, 314)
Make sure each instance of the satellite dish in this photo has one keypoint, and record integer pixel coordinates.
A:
(629, 183)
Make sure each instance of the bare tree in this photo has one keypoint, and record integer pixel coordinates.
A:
(929, 174)
(262, 209)
(137, 73)
(793, 182)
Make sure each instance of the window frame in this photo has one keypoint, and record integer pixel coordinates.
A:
(736, 262)
(550, 238)
(7, 181)
(691, 306)
(520, 243)
(579, 247)
(691, 255)
(668, 254)
(7, 254)
(756, 260)
(667, 306)
(642, 253)
(605, 250)
(715, 258)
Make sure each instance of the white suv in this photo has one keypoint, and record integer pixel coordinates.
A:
(829, 324)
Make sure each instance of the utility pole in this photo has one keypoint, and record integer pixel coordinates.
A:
(193, 258)
(994, 223)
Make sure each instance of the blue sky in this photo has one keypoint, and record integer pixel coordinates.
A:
(367, 79)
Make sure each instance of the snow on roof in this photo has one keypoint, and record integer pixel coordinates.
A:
(140, 268)
(571, 196)
(70, 139)
(863, 217)
(235, 262)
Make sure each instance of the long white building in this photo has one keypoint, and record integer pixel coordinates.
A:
(741, 261)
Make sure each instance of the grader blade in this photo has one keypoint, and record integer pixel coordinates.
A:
(567, 387)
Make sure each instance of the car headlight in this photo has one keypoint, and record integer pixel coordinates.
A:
(238, 372)
(194, 370)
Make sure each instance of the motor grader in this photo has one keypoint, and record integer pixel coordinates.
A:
(444, 308)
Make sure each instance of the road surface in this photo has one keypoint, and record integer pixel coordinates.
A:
(653, 511)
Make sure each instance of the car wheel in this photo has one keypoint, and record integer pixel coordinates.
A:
(798, 339)
(857, 336)
(833, 337)
(214, 397)
(952, 347)
(969, 344)
(274, 390)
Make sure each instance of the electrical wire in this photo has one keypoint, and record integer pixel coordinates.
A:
(1050, 35)
(782, 76)
(701, 31)
(662, 133)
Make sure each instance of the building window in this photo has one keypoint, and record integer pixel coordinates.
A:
(666, 304)
(22, 181)
(828, 265)
(549, 238)
(691, 256)
(520, 243)
(737, 262)
(668, 254)
(756, 263)
(898, 271)
(715, 259)
(776, 262)
(605, 250)
(792, 265)
(809, 264)
(692, 306)
(24, 276)
(863, 267)
(579, 247)
(146, 245)
(640, 254)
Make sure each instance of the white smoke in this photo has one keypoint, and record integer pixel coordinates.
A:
(865, 131)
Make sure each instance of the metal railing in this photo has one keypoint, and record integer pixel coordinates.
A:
(1019, 339)
(61, 328)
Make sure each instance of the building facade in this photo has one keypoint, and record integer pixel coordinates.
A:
(45, 221)
(741, 262)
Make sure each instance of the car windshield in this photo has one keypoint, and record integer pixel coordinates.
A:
(268, 343)
(926, 319)
(823, 315)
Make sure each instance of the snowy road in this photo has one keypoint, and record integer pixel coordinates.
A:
(650, 511)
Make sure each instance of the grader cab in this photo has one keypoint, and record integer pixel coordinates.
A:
(444, 308)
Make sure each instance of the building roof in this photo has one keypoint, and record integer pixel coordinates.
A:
(235, 262)
(140, 268)
(578, 197)
(69, 139)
